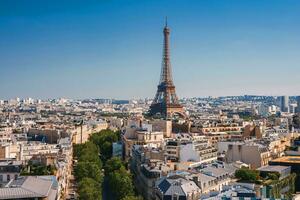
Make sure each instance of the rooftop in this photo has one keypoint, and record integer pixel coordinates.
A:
(10, 163)
(29, 187)
(288, 159)
(177, 184)
(273, 168)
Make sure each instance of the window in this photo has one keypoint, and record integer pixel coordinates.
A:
(175, 197)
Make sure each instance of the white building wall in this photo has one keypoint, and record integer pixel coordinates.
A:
(187, 153)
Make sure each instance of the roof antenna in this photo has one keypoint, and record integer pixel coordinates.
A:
(166, 21)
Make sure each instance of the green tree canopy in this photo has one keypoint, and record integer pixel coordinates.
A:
(245, 174)
(89, 189)
(113, 164)
(273, 175)
(132, 198)
(296, 121)
(38, 170)
(88, 170)
(90, 153)
(104, 140)
(120, 182)
(77, 148)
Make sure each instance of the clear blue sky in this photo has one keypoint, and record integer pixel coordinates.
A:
(113, 49)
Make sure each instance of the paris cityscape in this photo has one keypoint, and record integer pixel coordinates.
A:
(196, 101)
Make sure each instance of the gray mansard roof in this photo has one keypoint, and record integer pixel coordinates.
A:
(177, 185)
(28, 187)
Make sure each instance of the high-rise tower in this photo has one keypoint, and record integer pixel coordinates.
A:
(166, 102)
(298, 104)
(284, 103)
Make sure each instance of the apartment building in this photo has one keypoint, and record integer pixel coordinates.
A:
(177, 187)
(254, 154)
(148, 166)
(189, 151)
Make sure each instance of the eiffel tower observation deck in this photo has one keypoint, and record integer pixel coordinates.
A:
(166, 102)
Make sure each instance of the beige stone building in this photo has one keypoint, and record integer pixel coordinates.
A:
(145, 133)
(256, 155)
(82, 133)
(141, 137)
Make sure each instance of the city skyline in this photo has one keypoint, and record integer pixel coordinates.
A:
(110, 49)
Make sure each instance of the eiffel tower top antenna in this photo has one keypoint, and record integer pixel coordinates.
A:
(166, 25)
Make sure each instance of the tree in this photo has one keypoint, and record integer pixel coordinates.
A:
(104, 140)
(132, 198)
(38, 170)
(112, 165)
(88, 170)
(90, 153)
(273, 175)
(90, 146)
(106, 150)
(296, 121)
(121, 183)
(77, 148)
(245, 174)
(89, 189)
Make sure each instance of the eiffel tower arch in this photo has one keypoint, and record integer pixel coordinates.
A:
(166, 102)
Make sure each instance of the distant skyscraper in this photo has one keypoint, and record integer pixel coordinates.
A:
(284, 103)
(298, 104)
(292, 108)
(166, 102)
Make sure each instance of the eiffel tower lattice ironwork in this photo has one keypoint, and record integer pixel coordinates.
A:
(166, 101)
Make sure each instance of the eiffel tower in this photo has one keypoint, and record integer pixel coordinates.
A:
(166, 103)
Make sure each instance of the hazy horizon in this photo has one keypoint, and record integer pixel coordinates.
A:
(117, 99)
